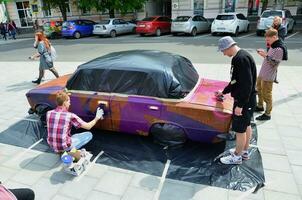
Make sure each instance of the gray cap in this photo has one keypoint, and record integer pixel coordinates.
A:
(225, 43)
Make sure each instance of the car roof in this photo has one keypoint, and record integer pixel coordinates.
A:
(156, 61)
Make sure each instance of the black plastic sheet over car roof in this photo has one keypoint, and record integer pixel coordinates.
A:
(194, 162)
(139, 72)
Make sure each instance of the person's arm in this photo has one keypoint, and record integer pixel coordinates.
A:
(276, 56)
(98, 116)
(245, 82)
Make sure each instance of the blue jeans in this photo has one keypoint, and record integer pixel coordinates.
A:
(80, 139)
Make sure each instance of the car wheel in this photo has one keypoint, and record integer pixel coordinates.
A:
(236, 32)
(213, 34)
(158, 32)
(113, 33)
(248, 28)
(77, 35)
(292, 30)
(174, 34)
(168, 134)
(41, 111)
(194, 32)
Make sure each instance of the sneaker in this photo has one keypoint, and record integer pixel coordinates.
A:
(263, 117)
(245, 154)
(259, 109)
(231, 160)
(38, 81)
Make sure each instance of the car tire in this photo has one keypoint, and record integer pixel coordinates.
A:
(292, 30)
(213, 34)
(174, 34)
(194, 32)
(158, 32)
(113, 33)
(77, 35)
(168, 134)
(258, 33)
(236, 32)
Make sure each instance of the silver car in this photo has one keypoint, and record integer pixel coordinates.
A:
(113, 27)
(267, 18)
(190, 24)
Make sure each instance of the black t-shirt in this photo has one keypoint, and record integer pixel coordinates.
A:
(243, 78)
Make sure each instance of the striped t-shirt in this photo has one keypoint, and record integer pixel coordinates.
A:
(268, 71)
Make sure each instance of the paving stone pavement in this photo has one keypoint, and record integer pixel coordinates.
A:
(280, 144)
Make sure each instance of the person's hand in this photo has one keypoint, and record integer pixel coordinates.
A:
(261, 52)
(218, 93)
(99, 113)
(238, 111)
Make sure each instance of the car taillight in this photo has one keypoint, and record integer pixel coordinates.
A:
(104, 27)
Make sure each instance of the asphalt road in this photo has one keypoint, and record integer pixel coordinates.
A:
(199, 49)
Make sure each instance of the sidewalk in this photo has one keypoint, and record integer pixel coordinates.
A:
(279, 141)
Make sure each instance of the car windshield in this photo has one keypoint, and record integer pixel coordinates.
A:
(104, 22)
(271, 13)
(182, 19)
(148, 19)
(225, 17)
(66, 24)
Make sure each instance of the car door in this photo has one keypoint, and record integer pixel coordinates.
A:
(132, 112)
(124, 26)
(89, 26)
(240, 22)
(196, 23)
(204, 24)
(117, 26)
(81, 27)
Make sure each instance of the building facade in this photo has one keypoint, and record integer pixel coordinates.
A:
(26, 12)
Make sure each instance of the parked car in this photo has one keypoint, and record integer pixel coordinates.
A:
(233, 23)
(142, 92)
(154, 25)
(266, 20)
(113, 27)
(53, 29)
(77, 28)
(190, 24)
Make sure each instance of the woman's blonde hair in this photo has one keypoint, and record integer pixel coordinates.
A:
(41, 37)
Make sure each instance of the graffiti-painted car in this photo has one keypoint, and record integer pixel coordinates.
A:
(143, 92)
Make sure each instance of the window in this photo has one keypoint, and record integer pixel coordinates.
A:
(195, 18)
(182, 18)
(116, 22)
(203, 19)
(225, 17)
(122, 21)
(241, 16)
(24, 13)
(266, 14)
(46, 9)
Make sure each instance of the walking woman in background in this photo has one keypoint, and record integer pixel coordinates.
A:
(44, 52)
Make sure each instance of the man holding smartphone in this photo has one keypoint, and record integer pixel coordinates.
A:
(268, 72)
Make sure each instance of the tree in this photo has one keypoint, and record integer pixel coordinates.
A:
(123, 6)
(61, 4)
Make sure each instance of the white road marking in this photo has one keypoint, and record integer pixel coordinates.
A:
(247, 35)
(20, 155)
(162, 180)
(292, 35)
(89, 166)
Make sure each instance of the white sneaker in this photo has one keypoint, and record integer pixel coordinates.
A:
(231, 159)
(245, 154)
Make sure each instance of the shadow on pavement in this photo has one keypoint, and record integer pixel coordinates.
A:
(193, 162)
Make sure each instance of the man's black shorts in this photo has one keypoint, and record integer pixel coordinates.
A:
(240, 123)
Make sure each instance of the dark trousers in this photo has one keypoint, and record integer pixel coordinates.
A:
(23, 194)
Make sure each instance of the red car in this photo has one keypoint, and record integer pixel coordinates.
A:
(154, 25)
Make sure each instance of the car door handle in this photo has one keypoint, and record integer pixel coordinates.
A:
(105, 103)
(153, 107)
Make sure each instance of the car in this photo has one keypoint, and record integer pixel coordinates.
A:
(113, 27)
(142, 92)
(154, 25)
(77, 28)
(233, 23)
(53, 29)
(190, 24)
(266, 20)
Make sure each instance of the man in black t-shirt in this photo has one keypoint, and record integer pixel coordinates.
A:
(242, 88)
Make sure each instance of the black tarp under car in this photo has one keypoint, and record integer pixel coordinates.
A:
(139, 72)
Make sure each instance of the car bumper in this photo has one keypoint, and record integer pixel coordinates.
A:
(145, 30)
(180, 30)
(101, 32)
(222, 30)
